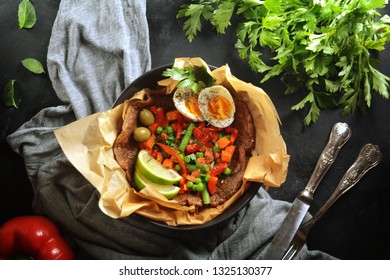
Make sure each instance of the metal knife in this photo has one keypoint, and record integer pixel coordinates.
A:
(369, 156)
(338, 137)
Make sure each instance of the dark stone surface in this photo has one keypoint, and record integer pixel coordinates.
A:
(358, 224)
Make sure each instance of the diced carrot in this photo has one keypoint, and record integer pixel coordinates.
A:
(159, 157)
(175, 155)
(233, 136)
(201, 160)
(163, 136)
(227, 153)
(168, 163)
(212, 184)
(190, 178)
(173, 115)
(208, 155)
(183, 186)
(196, 173)
(223, 142)
(148, 144)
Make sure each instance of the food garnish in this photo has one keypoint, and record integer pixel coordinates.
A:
(195, 78)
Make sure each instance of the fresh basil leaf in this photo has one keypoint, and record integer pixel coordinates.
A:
(9, 95)
(26, 14)
(33, 65)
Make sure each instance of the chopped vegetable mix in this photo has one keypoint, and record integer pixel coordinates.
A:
(200, 153)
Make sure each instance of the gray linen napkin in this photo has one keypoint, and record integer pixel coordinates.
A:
(96, 49)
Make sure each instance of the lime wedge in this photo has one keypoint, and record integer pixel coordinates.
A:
(154, 171)
(169, 191)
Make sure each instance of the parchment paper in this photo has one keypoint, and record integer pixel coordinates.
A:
(88, 145)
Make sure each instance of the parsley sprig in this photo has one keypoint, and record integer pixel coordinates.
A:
(321, 48)
(196, 78)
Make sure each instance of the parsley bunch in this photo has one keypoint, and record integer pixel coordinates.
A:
(321, 48)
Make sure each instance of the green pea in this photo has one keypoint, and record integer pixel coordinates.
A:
(177, 167)
(207, 178)
(169, 129)
(227, 171)
(141, 134)
(199, 187)
(159, 130)
(198, 181)
(146, 117)
(190, 184)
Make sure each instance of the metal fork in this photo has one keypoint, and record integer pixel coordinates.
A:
(369, 156)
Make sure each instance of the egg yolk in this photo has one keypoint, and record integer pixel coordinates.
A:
(219, 108)
(192, 105)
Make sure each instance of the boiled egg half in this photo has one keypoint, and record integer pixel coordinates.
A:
(217, 106)
(186, 102)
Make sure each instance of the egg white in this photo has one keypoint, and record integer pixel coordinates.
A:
(208, 94)
(179, 98)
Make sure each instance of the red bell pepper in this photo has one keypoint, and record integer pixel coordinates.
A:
(212, 184)
(193, 147)
(175, 155)
(218, 168)
(36, 236)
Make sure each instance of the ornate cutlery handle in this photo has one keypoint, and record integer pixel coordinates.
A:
(338, 137)
(370, 155)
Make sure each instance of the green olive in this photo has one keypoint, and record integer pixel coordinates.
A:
(141, 134)
(146, 117)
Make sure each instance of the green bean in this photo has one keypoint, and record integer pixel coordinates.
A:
(187, 159)
(205, 196)
(199, 154)
(187, 137)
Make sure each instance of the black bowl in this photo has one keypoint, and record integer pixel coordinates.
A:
(149, 80)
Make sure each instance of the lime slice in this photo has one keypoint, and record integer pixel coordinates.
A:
(154, 171)
(169, 191)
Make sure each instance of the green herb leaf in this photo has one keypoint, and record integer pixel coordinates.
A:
(26, 14)
(33, 65)
(321, 48)
(9, 94)
(195, 78)
(195, 12)
(222, 15)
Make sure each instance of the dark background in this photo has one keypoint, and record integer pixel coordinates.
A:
(358, 224)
